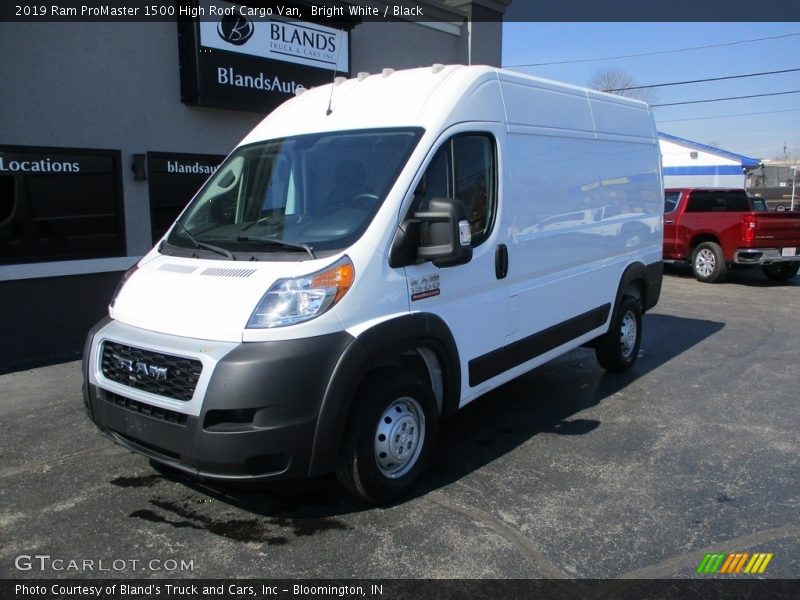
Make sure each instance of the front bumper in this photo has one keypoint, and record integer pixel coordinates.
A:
(253, 414)
(763, 256)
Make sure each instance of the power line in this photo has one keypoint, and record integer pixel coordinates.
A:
(721, 99)
(581, 60)
(767, 112)
(655, 85)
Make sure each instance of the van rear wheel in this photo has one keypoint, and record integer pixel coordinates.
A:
(393, 428)
(618, 349)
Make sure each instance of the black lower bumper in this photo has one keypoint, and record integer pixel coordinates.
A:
(258, 420)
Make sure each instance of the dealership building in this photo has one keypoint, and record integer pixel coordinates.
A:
(108, 128)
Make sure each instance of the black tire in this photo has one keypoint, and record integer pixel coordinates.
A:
(394, 413)
(780, 271)
(618, 349)
(708, 263)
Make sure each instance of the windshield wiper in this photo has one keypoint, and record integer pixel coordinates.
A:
(198, 244)
(274, 242)
(267, 219)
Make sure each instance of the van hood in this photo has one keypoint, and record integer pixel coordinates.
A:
(203, 299)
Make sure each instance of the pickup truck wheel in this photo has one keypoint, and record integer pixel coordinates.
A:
(780, 271)
(393, 429)
(618, 349)
(708, 263)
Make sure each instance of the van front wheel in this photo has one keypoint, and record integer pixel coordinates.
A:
(618, 349)
(392, 431)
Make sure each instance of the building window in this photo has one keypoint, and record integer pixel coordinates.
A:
(173, 180)
(60, 204)
(7, 198)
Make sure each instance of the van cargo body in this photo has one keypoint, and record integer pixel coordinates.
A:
(373, 256)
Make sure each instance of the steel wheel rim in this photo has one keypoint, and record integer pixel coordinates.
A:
(628, 334)
(399, 437)
(705, 262)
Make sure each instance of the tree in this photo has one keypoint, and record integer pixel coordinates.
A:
(615, 81)
(791, 154)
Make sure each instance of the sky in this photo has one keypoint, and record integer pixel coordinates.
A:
(731, 125)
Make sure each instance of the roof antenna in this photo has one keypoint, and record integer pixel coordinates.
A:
(333, 83)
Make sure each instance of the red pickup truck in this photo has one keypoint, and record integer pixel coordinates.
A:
(716, 228)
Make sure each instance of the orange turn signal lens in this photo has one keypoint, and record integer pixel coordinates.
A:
(340, 276)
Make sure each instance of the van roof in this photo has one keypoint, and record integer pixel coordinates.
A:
(438, 96)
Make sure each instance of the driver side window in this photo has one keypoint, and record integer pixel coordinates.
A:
(464, 168)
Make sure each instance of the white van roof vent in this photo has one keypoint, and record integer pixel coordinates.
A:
(362, 75)
(437, 68)
(386, 72)
(222, 272)
(339, 80)
(182, 269)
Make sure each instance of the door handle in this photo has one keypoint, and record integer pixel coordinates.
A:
(669, 222)
(501, 261)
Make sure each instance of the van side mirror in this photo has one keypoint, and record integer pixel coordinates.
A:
(440, 234)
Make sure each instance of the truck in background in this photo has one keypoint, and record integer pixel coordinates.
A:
(715, 229)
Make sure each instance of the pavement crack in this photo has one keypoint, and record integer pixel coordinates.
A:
(515, 537)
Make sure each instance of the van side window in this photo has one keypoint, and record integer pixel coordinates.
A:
(436, 182)
(464, 168)
(474, 180)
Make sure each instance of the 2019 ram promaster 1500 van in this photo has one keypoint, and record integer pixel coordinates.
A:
(372, 257)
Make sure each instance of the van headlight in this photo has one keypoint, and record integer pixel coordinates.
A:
(292, 301)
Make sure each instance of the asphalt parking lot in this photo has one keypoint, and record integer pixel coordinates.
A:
(565, 472)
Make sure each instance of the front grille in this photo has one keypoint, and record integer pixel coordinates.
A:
(155, 372)
(154, 412)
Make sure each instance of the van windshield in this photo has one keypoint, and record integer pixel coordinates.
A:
(294, 197)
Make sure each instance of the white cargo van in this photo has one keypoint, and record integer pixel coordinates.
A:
(376, 254)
